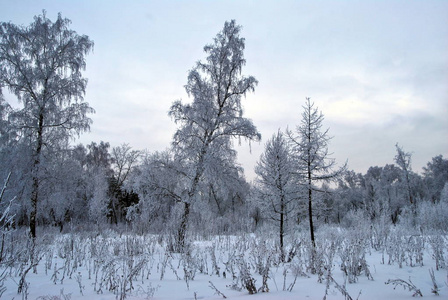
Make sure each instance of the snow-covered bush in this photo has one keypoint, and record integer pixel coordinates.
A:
(405, 246)
(352, 252)
(380, 232)
(246, 278)
(439, 246)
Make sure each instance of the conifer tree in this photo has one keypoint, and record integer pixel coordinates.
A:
(312, 159)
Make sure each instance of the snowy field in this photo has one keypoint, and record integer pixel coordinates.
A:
(117, 266)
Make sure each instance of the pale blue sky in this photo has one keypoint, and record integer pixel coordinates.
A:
(378, 70)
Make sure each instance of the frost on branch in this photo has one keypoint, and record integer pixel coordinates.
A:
(208, 125)
(407, 285)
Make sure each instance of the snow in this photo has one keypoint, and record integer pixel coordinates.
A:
(78, 253)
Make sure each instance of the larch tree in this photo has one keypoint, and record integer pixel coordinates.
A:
(275, 181)
(312, 159)
(208, 125)
(41, 65)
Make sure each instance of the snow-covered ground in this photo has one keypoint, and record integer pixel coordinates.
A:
(110, 266)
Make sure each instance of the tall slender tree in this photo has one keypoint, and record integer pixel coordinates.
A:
(41, 65)
(275, 180)
(310, 150)
(209, 124)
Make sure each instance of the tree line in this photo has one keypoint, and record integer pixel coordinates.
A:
(196, 184)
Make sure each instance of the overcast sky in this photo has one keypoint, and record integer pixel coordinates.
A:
(378, 70)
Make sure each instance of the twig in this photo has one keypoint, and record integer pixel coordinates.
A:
(342, 289)
(218, 292)
(4, 186)
(435, 289)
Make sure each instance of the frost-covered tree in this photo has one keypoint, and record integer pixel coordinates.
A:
(62, 191)
(275, 181)
(326, 201)
(223, 191)
(6, 135)
(158, 183)
(98, 208)
(5, 126)
(403, 160)
(208, 125)
(381, 192)
(388, 186)
(312, 159)
(350, 189)
(41, 65)
(124, 160)
(371, 196)
(97, 162)
(98, 157)
(436, 177)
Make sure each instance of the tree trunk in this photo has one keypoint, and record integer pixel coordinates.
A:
(310, 198)
(282, 233)
(35, 172)
(191, 194)
(33, 213)
(182, 232)
(310, 215)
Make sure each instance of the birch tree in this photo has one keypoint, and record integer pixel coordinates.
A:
(41, 65)
(310, 150)
(208, 125)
